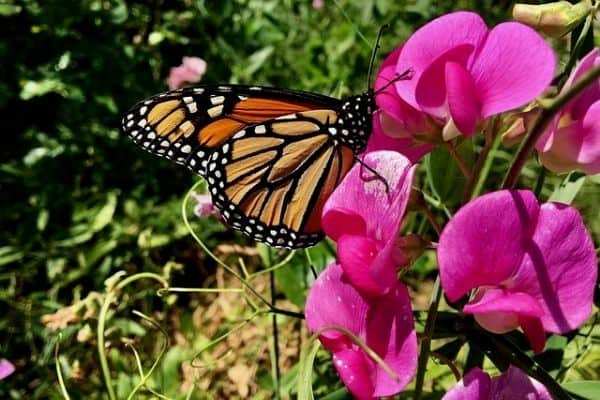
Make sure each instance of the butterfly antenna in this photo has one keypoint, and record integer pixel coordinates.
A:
(374, 53)
(376, 174)
(405, 75)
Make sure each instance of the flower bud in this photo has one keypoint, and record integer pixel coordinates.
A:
(554, 19)
(520, 123)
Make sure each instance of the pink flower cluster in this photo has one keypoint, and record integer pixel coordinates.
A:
(572, 141)
(461, 73)
(517, 263)
(191, 70)
(361, 292)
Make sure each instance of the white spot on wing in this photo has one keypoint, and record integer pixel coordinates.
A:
(217, 100)
(215, 111)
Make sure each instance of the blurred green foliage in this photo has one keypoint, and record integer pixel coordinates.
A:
(79, 202)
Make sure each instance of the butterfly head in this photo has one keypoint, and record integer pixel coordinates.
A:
(355, 121)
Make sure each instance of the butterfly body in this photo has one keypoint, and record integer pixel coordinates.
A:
(271, 156)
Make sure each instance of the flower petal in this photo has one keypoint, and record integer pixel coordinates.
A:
(6, 368)
(430, 92)
(534, 330)
(433, 39)
(463, 104)
(364, 194)
(515, 384)
(331, 301)
(560, 268)
(355, 254)
(396, 139)
(578, 106)
(475, 385)
(514, 66)
(338, 220)
(485, 241)
(355, 371)
(384, 323)
(499, 310)
(390, 332)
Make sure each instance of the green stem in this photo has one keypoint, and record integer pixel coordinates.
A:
(487, 166)
(481, 161)
(426, 338)
(102, 316)
(538, 127)
(459, 161)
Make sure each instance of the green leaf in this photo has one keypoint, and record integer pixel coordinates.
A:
(257, 59)
(447, 181)
(567, 190)
(9, 254)
(291, 280)
(307, 359)
(106, 213)
(340, 394)
(6, 10)
(586, 389)
(42, 219)
(33, 89)
(149, 240)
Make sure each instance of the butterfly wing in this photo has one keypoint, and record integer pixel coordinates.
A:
(187, 125)
(267, 153)
(271, 180)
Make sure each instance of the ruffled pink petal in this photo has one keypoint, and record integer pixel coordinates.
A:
(390, 332)
(364, 194)
(385, 139)
(578, 106)
(515, 384)
(475, 385)
(485, 241)
(431, 92)
(331, 301)
(504, 301)
(434, 39)
(534, 330)
(576, 146)
(383, 322)
(463, 104)
(337, 221)
(499, 310)
(388, 99)
(560, 268)
(514, 66)
(355, 254)
(590, 148)
(355, 371)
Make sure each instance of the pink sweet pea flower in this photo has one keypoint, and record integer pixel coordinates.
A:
(384, 323)
(398, 126)
(204, 206)
(364, 219)
(191, 70)
(6, 368)
(463, 72)
(512, 384)
(572, 141)
(532, 266)
(318, 4)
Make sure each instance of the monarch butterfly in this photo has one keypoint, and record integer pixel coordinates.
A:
(271, 156)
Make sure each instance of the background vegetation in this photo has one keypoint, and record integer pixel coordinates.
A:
(80, 202)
